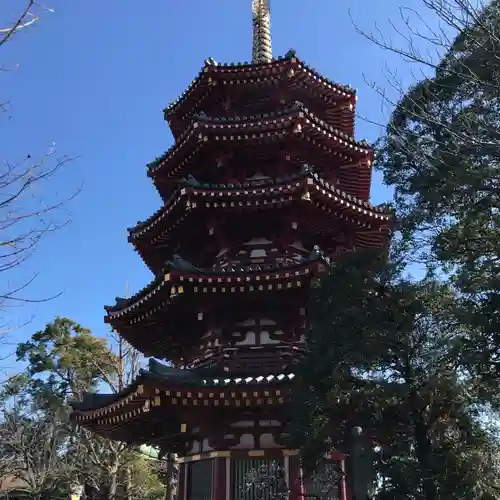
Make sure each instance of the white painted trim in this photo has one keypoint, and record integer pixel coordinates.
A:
(286, 467)
(302, 486)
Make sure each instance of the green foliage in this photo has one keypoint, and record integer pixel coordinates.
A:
(441, 153)
(386, 354)
(64, 361)
(145, 481)
(440, 150)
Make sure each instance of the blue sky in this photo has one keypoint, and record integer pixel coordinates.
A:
(94, 77)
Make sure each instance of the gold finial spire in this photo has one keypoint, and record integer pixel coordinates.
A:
(261, 21)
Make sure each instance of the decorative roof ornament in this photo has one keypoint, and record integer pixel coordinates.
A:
(261, 22)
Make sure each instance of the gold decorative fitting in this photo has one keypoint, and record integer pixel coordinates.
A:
(256, 453)
(220, 454)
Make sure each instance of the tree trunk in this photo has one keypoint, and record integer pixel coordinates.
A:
(128, 484)
(171, 477)
(423, 449)
(113, 481)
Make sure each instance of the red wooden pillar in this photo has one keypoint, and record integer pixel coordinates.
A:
(340, 458)
(295, 477)
(219, 479)
(345, 494)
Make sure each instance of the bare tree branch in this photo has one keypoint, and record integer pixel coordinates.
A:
(454, 45)
(30, 208)
(25, 19)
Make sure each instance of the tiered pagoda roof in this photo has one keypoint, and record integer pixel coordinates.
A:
(263, 187)
(237, 82)
(170, 307)
(304, 133)
(313, 199)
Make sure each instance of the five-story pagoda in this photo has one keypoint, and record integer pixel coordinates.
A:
(263, 186)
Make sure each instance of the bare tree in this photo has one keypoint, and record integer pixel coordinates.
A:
(32, 457)
(96, 452)
(426, 38)
(445, 42)
(65, 362)
(26, 18)
(440, 149)
(29, 207)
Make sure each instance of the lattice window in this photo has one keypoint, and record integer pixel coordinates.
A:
(200, 480)
(256, 479)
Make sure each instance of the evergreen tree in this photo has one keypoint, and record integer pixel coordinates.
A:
(64, 361)
(441, 153)
(386, 354)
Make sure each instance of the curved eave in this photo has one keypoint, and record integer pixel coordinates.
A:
(243, 73)
(189, 199)
(158, 398)
(366, 232)
(131, 398)
(176, 282)
(297, 120)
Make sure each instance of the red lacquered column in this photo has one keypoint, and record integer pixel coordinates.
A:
(344, 492)
(295, 478)
(219, 479)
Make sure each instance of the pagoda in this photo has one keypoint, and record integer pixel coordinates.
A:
(262, 188)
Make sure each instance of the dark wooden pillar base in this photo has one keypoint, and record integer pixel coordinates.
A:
(181, 487)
